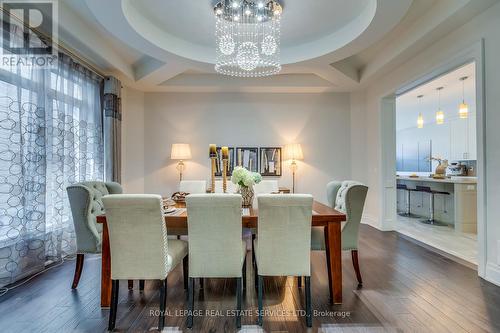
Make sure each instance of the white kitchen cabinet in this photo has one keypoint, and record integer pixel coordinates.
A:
(458, 139)
(463, 138)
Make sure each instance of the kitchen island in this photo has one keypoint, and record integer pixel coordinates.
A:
(458, 208)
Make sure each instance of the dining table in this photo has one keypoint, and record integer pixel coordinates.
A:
(322, 216)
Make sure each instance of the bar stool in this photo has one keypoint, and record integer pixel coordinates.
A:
(407, 213)
(431, 192)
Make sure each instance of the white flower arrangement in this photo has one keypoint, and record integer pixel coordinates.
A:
(243, 177)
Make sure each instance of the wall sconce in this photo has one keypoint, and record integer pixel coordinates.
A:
(181, 152)
(293, 152)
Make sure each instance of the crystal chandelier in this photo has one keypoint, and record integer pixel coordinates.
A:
(248, 37)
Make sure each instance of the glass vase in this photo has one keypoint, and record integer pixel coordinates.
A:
(247, 195)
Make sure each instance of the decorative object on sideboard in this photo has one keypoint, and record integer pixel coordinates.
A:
(248, 158)
(270, 161)
(440, 172)
(212, 151)
(245, 180)
(230, 162)
(248, 37)
(293, 153)
(181, 152)
(225, 158)
(463, 109)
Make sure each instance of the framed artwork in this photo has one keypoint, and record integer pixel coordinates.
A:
(248, 158)
(230, 164)
(270, 161)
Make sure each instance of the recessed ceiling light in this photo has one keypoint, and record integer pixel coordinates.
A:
(248, 12)
(235, 4)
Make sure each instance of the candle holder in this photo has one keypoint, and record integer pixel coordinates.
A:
(214, 161)
(224, 175)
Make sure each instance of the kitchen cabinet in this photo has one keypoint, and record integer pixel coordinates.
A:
(463, 139)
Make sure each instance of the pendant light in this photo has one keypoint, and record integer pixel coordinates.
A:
(420, 119)
(463, 109)
(439, 113)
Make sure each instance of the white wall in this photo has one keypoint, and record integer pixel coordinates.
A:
(320, 122)
(487, 26)
(132, 141)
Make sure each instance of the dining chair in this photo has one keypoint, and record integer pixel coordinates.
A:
(85, 200)
(283, 244)
(193, 186)
(347, 197)
(264, 187)
(139, 246)
(216, 249)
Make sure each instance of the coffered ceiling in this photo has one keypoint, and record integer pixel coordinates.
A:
(327, 45)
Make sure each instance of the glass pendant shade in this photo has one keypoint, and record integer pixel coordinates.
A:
(440, 117)
(463, 111)
(420, 121)
(248, 37)
(439, 113)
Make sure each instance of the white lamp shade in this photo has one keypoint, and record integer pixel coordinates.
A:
(293, 151)
(180, 151)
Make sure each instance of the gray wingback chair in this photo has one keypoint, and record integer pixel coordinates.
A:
(348, 197)
(85, 199)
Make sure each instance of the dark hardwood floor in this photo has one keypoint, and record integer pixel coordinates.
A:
(406, 289)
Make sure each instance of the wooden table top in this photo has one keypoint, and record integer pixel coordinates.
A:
(322, 215)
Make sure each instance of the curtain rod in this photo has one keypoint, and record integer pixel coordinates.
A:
(60, 45)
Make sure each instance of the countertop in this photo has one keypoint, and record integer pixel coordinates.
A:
(452, 180)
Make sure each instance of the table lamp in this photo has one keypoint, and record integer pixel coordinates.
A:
(293, 152)
(181, 152)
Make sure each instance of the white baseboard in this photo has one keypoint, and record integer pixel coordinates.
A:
(371, 221)
(492, 273)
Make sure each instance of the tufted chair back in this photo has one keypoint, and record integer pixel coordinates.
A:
(85, 199)
(348, 197)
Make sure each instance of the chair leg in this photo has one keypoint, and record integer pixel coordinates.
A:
(330, 280)
(239, 292)
(253, 249)
(299, 281)
(115, 284)
(259, 291)
(185, 271)
(141, 285)
(190, 302)
(78, 270)
(202, 283)
(355, 263)
(244, 273)
(130, 284)
(163, 303)
(308, 302)
(255, 276)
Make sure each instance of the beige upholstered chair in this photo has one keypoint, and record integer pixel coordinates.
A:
(193, 186)
(215, 246)
(283, 244)
(139, 246)
(348, 197)
(85, 200)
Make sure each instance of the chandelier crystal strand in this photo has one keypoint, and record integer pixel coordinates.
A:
(248, 37)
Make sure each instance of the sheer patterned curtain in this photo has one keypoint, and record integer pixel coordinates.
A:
(50, 137)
